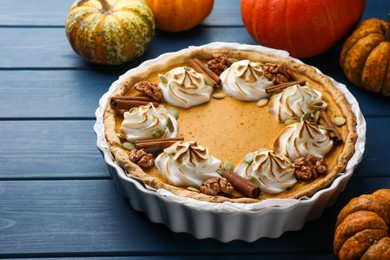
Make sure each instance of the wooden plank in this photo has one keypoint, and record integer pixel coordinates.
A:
(87, 217)
(48, 48)
(50, 149)
(66, 149)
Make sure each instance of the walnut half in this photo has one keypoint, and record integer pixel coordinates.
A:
(277, 73)
(309, 167)
(150, 89)
(214, 186)
(142, 158)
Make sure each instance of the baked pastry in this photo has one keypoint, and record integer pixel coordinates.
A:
(264, 125)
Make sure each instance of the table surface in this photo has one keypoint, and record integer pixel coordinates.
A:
(56, 195)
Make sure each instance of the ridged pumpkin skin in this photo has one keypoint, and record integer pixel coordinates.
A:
(362, 227)
(304, 28)
(365, 57)
(179, 15)
(110, 32)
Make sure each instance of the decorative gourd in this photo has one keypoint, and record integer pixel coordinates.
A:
(365, 57)
(179, 15)
(304, 28)
(362, 227)
(107, 33)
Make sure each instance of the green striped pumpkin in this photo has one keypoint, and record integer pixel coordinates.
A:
(110, 32)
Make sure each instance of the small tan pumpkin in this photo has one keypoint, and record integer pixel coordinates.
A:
(107, 33)
(179, 15)
(362, 227)
(365, 56)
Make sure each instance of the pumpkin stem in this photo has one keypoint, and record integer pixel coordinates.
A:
(106, 7)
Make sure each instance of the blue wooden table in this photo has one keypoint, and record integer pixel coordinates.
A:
(56, 195)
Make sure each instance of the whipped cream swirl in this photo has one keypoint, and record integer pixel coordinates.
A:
(302, 139)
(295, 101)
(273, 172)
(147, 122)
(186, 164)
(184, 87)
(244, 80)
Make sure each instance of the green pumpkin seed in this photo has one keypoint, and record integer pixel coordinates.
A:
(207, 80)
(324, 127)
(290, 121)
(158, 133)
(262, 102)
(339, 121)
(163, 79)
(220, 172)
(249, 157)
(318, 104)
(306, 116)
(317, 116)
(128, 146)
(170, 125)
(233, 60)
(173, 111)
(170, 150)
(187, 68)
(218, 95)
(254, 180)
(193, 189)
(121, 136)
(228, 166)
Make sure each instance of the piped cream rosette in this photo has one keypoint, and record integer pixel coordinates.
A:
(147, 122)
(272, 172)
(244, 80)
(184, 87)
(295, 101)
(187, 164)
(301, 139)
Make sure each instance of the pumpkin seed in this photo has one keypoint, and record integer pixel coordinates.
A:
(218, 95)
(163, 79)
(128, 146)
(207, 80)
(228, 166)
(318, 104)
(170, 150)
(262, 102)
(187, 68)
(173, 111)
(170, 125)
(233, 60)
(121, 136)
(249, 157)
(339, 121)
(324, 127)
(254, 180)
(317, 116)
(158, 133)
(193, 189)
(306, 116)
(290, 121)
(220, 171)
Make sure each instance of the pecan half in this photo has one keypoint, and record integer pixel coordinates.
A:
(150, 89)
(142, 158)
(309, 167)
(214, 186)
(219, 63)
(277, 73)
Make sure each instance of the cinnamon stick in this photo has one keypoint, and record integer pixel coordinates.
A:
(334, 134)
(280, 87)
(157, 143)
(242, 185)
(197, 65)
(126, 102)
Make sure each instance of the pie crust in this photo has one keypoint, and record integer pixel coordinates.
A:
(338, 105)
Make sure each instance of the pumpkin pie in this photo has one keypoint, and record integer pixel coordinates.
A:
(230, 125)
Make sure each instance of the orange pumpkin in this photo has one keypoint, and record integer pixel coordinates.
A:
(304, 28)
(362, 227)
(179, 15)
(111, 32)
(365, 57)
